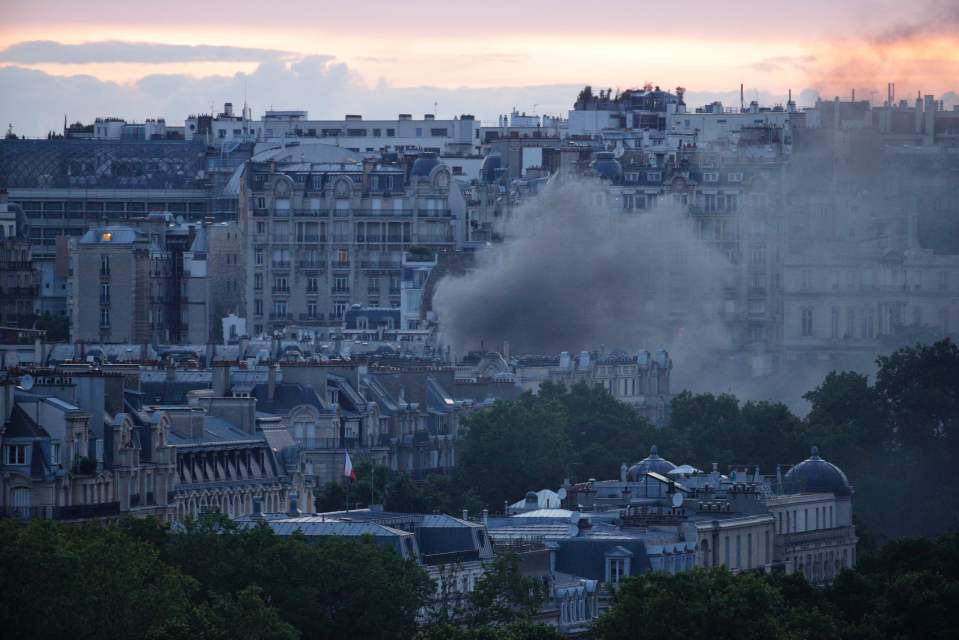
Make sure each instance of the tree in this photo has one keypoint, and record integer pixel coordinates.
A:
(56, 326)
(503, 595)
(88, 581)
(513, 446)
(919, 387)
(700, 604)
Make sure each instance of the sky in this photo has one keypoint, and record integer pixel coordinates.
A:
(379, 57)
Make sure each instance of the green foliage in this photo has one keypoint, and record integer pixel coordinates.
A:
(504, 595)
(57, 327)
(88, 582)
(514, 445)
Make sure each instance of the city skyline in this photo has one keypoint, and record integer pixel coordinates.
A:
(454, 59)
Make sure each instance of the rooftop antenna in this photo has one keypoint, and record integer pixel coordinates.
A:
(742, 98)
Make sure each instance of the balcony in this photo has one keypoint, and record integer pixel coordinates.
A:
(340, 290)
(283, 238)
(281, 316)
(281, 290)
(311, 264)
(280, 264)
(309, 237)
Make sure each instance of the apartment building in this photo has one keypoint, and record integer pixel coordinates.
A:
(325, 230)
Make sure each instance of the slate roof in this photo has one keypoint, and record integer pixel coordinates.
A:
(286, 397)
(104, 164)
(586, 556)
(21, 425)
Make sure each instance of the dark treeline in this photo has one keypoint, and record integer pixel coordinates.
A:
(215, 581)
(908, 589)
(895, 437)
(136, 579)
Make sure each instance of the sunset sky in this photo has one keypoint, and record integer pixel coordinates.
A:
(137, 60)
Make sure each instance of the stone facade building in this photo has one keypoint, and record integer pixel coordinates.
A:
(325, 230)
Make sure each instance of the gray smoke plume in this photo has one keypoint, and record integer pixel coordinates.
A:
(575, 273)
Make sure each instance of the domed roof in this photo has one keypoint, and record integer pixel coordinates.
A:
(815, 475)
(424, 164)
(651, 463)
(607, 166)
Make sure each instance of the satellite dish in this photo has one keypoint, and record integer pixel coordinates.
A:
(561, 493)
(26, 382)
(677, 499)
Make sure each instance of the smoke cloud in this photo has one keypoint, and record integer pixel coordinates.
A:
(922, 55)
(575, 273)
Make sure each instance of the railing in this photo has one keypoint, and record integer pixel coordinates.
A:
(280, 264)
(381, 264)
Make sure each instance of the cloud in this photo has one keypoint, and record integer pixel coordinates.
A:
(107, 51)
(37, 101)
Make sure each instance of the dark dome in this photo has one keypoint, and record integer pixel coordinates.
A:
(815, 475)
(652, 463)
(607, 166)
(424, 164)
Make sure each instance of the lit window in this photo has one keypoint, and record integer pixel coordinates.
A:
(106, 236)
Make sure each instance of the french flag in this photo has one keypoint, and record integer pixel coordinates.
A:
(348, 470)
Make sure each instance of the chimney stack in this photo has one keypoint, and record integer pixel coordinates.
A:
(271, 381)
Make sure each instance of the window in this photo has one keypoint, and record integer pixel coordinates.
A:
(258, 259)
(260, 227)
(15, 454)
(419, 132)
(627, 201)
(711, 176)
(341, 284)
(312, 284)
(390, 133)
(339, 308)
(834, 323)
(736, 177)
(104, 294)
(726, 551)
(439, 132)
(105, 317)
(311, 310)
(104, 265)
(55, 453)
(806, 321)
(258, 307)
(257, 281)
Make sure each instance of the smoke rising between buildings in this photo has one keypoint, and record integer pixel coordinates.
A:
(575, 274)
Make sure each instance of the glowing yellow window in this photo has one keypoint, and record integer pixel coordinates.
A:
(107, 236)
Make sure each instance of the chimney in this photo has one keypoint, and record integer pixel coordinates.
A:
(466, 514)
(221, 379)
(170, 370)
(485, 517)
(506, 349)
(271, 381)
